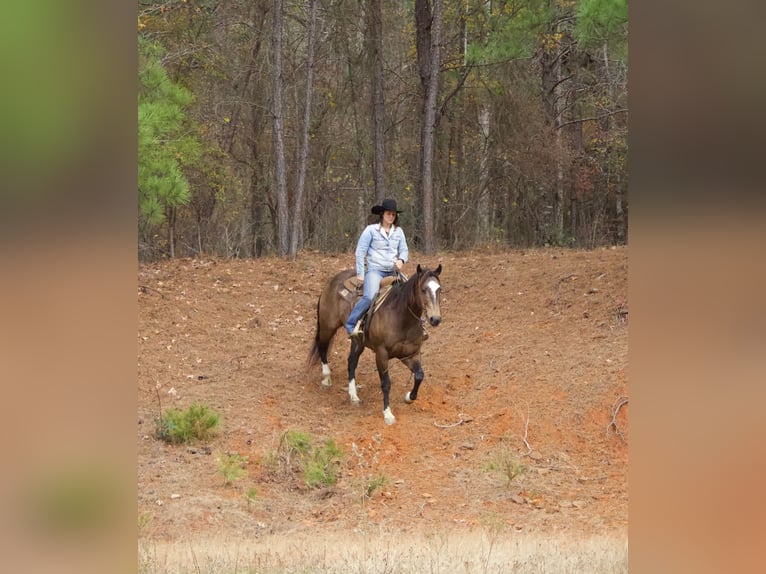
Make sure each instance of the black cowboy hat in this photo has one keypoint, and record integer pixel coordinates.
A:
(385, 205)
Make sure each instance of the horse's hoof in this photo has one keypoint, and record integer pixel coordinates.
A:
(326, 379)
(407, 398)
(354, 400)
(388, 417)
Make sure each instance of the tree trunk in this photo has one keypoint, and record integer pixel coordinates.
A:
(619, 212)
(375, 27)
(296, 239)
(482, 205)
(428, 37)
(229, 137)
(280, 180)
(550, 61)
(171, 218)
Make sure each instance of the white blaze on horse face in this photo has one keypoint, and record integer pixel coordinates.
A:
(432, 306)
(434, 287)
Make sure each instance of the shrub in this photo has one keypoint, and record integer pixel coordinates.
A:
(231, 467)
(296, 453)
(506, 463)
(373, 484)
(321, 469)
(181, 427)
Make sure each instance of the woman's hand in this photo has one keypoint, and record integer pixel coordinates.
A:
(398, 264)
(360, 278)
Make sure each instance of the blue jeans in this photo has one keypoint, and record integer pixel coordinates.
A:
(372, 281)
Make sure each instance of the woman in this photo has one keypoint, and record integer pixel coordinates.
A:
(384, 247)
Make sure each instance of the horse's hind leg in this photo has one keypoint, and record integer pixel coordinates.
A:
(417, 370)
(326, 380)
(353, 361)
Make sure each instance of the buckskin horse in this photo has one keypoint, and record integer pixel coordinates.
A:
(392, 329)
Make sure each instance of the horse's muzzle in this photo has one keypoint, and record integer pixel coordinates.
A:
(434, 320)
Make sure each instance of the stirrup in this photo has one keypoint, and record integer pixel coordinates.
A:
(357, 331)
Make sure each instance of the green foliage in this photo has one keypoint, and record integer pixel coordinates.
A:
(165, 144)
(373, 484)
(321, 469)
(603, 22)
(506, 462)
(317, 463)
(232, 467)
(181, 427)
(510, 30)
(297, 441)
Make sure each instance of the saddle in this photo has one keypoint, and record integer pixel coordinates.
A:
(351, 290)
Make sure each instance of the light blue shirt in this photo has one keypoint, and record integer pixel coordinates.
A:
(381, 250)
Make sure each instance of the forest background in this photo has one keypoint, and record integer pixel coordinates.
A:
(271, 126)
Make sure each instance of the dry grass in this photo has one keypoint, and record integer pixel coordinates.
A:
(479, 552)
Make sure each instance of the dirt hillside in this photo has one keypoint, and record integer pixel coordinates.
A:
(512, 424)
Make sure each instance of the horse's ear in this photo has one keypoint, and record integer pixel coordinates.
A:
(438, 270)
(420, 269)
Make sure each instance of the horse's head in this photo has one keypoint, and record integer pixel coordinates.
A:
(430, 292)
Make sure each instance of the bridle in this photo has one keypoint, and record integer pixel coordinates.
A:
(419, 296)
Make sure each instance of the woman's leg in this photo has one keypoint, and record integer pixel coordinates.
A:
(372, 281)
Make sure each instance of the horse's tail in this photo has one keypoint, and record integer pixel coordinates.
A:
(314, 355)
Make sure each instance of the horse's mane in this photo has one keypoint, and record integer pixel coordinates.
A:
(408, 288)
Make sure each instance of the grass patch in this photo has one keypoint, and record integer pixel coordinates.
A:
(448, 552)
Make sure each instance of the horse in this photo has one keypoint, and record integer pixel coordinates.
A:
(392, 331)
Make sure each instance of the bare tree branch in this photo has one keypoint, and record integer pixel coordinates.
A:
(526, 433)
(594, 118)
(618, 404)
(460, 422)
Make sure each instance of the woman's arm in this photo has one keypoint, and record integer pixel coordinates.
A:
(404, 252)
(362, 247)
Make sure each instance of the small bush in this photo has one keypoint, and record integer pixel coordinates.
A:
(373, 484)
(231, 467)
(297, 442)
(181, 427)
(506, 463)
(321, 469)
(296, 453)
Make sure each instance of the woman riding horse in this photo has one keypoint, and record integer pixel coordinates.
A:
(384, 247)
(394, 331)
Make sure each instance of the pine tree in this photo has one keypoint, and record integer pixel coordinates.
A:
(164, 143)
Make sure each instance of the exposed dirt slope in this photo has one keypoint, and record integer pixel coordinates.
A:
(531, 354)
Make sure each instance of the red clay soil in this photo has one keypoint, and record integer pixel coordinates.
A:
(526, 377)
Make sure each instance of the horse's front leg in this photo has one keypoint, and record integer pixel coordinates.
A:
(417, 371)
(353, 361)
(385, 385)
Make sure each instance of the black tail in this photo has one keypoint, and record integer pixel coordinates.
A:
(314, 355)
